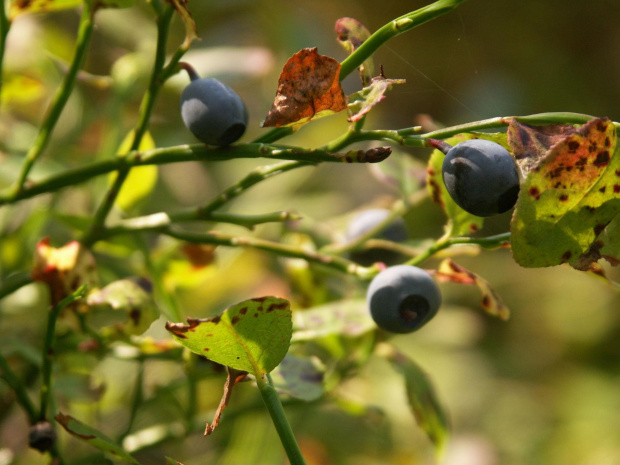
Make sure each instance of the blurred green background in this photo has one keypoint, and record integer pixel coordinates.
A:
(543, 387)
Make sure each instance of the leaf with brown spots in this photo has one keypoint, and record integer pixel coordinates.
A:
(568, 198)
(352, 34)
(530, 143)
(491, 302)
(94, 438)
(308, 88)
(360, 103)
(122, 306)
(253, 335)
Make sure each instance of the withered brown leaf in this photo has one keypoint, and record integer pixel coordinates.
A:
(308, 88)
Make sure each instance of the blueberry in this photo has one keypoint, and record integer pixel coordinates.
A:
(213, 111)
(367, 220)
(481, 177)
(403, 298)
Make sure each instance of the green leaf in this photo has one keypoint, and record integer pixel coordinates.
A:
(123, 304)
(18, 7)
(352, 34)
(568, 198)
(299, 377)
(608, 243)
(460, 222)
(423, 400)
(252, 336)
(141, 180)
(362, 101)
(94, 437)
(346, 317)
(170, 461)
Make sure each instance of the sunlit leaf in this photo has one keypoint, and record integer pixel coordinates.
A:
(346, 317)
(491, 302)
(308, 88)
(94, 437)
(360, 103)
(18, 7)
(141, 180)
(568, 198)
(170, 461)
(299, 377)
(422, 397)
(351, 34)
(252, 336)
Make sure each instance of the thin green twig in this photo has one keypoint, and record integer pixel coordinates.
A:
(491, 242)
(61, 97)
(330, 261)
(48, 352)
(146, 108)
(283, 427)
(5, 26)
(18, 387)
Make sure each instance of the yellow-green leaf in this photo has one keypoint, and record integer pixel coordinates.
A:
(141, 180)
(253, 335)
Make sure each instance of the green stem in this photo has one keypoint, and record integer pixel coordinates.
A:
(61, 97)
(19, 388)
(48, 352)
(276, 411)
(5, 26)
(183, 153)
(253, 177)
(330, 261)
(394, 28)
(490, 242)
(297, 157)
(146, 108)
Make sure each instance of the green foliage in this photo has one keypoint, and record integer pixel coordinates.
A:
(160, 208)
(253, 335)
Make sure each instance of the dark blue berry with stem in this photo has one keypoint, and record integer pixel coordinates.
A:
(403, 298)
(211, 110)
(481, 176)
(367, 220)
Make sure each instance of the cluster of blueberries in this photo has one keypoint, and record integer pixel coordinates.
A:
(480, 176)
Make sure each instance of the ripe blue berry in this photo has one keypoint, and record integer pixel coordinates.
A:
(213, 111)
(481, 177)
(403, 298)
(367, 220)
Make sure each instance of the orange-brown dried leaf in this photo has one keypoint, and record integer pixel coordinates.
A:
(63, 269)
(308, 88)
(234, 377)
(491, 302)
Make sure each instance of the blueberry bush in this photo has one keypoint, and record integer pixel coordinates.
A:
(189, 275)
